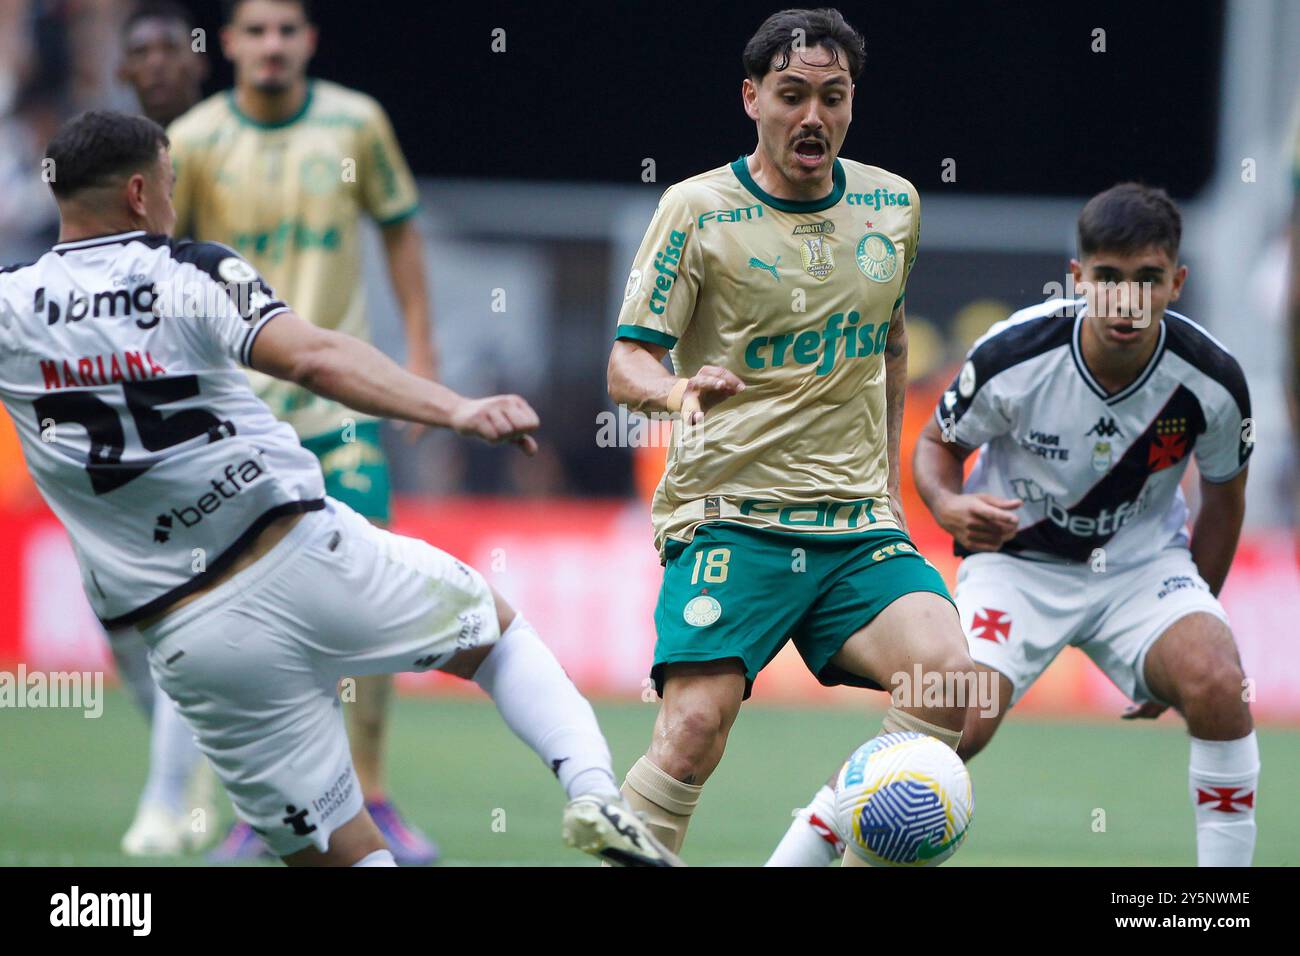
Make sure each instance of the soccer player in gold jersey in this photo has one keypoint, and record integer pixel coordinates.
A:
(281, 168)
(777, 284)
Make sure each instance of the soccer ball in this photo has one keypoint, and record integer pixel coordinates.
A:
(904, 799)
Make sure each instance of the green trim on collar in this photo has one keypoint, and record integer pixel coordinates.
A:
(741, 168)
(258, 124)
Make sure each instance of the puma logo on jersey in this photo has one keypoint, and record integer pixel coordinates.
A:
(820, 348)
(756, 263)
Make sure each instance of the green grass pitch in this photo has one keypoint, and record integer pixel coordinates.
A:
(68, 786)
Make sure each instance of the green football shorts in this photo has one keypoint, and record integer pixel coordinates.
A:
(737, 592)
(356, 471)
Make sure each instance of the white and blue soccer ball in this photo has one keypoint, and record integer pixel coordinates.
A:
(904, 799)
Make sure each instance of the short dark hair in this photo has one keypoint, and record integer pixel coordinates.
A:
(158, 10)
(824, 27)
(1128, 217)
(230, 7)
(96, 147)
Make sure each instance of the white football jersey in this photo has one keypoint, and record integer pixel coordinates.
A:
(120, 366)
(1095, 470)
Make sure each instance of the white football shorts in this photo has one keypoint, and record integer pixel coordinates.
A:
(254, 665)
(1019, 614)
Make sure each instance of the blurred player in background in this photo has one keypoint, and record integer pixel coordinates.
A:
(160, 64)
(779, 517)
(200, 519)
(159, 61)
(281, 168)
(1073, 525)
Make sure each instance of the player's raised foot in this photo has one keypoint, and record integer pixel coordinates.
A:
(155, 831)
(608, 828)
(241, 843)
(409, 844)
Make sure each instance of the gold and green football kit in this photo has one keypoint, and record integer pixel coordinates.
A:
(289, 198)
(773, 517)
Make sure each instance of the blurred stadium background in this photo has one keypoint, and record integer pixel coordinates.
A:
(539, 168)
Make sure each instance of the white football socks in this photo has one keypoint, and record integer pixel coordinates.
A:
(811, 839)
(1223, 776)
(543, 708)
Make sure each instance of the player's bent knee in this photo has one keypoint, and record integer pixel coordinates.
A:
(465, 664)
(689, 736)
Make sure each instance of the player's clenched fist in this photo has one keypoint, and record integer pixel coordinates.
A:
(695, 396)
(498, 418)
(979, 522)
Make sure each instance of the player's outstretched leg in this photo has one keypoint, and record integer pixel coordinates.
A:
(162, 825)
(542, 706)
(700, 704)
(813, 838)
(1194, 666)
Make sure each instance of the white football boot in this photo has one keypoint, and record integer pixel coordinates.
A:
(607, 828)
(155, 831)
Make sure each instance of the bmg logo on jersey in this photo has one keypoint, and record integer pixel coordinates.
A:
(235, 478)
(818, 347)
(152, 301)
(77, 306)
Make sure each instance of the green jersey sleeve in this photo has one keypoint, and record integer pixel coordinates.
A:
(387, 187)
(665, 280)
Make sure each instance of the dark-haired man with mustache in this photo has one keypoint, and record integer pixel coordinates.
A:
(777, 283)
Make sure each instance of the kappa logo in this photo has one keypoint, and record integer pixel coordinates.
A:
(1105, 428)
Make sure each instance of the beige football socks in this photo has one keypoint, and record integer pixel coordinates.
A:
(897, 721)
(666, 803)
